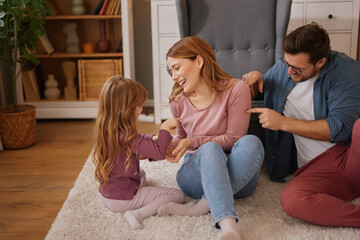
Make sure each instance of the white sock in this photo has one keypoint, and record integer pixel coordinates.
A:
(229, 229)
(228, 235)
(134, 218)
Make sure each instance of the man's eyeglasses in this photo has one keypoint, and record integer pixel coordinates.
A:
(296, 69)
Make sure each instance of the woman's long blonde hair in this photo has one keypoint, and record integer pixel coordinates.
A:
(115, 124)
(211, 72)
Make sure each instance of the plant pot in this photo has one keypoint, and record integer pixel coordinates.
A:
(18, 130)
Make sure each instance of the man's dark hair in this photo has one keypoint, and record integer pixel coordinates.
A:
(311, 38)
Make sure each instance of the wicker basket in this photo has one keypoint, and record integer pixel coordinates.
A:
(91, 80)
(18, 130)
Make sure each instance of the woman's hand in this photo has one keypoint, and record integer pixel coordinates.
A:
(154, 138)
(179, 151)
(251, 78)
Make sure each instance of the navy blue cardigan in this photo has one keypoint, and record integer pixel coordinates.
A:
(336, 99)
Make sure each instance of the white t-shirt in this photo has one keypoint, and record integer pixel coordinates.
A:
(300, 105)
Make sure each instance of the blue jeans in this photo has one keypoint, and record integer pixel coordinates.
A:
(219, 178)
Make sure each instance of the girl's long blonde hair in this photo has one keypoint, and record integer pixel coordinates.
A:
(211, 72)
(115, 124)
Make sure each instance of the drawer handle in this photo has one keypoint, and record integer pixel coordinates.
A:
(330, 16)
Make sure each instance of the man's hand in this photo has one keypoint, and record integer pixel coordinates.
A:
(269, 118)
(255, 82)
(180, 149)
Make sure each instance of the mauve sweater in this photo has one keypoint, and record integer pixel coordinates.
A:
(224, 121)
(123, 185)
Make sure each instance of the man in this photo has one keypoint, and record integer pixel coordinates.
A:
(312, 125)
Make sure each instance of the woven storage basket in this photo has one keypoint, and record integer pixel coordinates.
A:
(18, 130)
(93, 74)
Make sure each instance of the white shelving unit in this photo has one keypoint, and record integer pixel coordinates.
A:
(88, 109)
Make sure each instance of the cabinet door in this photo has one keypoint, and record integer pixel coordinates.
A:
(167, 19)
(331, 15)
(166, 84)
(165, 43)
(341, 42)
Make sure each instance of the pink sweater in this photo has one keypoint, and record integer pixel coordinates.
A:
(224, 121)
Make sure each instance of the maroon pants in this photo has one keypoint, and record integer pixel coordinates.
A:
(322, 188)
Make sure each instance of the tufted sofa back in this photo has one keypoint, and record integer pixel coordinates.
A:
(245, 34)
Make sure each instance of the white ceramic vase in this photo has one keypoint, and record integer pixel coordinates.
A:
(52, 91)
(78, 7)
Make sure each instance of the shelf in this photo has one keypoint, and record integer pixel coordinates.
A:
(118, 28)
(83, 17)
(80, 55)
(46, 109)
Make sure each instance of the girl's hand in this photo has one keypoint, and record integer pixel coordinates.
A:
(179, 151)
(154, 138)
(169, 124)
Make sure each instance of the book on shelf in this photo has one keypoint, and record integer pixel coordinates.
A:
(118, 7)
(45, 42)
(40, 81)
(118, 46)
(30, 84)
(113, 7)
(98, 7)
(104, 6)
(54, 8)
(109, 8)
(39, 49)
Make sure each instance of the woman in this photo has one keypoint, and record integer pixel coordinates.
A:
(221, 162)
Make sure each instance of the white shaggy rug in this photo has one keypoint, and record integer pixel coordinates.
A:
(261, 216)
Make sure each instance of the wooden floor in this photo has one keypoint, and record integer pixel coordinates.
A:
(34, 182)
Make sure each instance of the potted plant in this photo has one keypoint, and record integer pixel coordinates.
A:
(21, 24)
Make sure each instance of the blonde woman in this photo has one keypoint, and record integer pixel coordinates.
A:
(221, 161)
(119, 147)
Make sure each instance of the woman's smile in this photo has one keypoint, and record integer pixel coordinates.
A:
(182, 83)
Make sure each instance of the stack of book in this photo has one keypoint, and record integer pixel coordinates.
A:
(44, 46)
(108, 7)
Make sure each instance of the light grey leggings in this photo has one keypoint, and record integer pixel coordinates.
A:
(157, 196)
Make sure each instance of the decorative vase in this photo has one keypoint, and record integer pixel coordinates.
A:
(52, 92)
(72, 40)
(103, 44)
(78, 7)
(18, 130)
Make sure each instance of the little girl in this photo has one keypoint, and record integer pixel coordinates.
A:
(119, 147)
